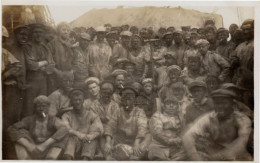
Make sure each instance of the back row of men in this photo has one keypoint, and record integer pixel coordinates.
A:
(152, 87)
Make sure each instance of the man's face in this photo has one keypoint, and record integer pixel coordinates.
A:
(177, 38)
(203, 49)
(232, 30)
(148, 88)
(144, 35)
(38, 35)
(222, 37)
(168, 40)
(111, 41)
(126, 41)
(178, 93)
(134, 30)
(83, 43)
(101, 36)
(77, 101)
(223, 107)
(211, 36)
(66, 83)
(174, 75)
(193, 40)
(129, 69)
(171, 107)
(194, 63)
(248, 33)
(64, 32)
(42, 108)
(22, 36)
(212, 84)
(198, 93)
(94, 89)
(136, 43)
(119, 81)
(106, 92)
(128, 99)
(187, 39)
(156, 44)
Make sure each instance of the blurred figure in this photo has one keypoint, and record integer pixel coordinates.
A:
(232, 29)
(211, 36)
(134, 30)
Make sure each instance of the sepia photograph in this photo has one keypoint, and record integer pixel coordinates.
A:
(128, 81)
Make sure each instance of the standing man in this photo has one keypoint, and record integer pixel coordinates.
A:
(99, 54)
(211, 32)
(39, 63)
(213, 62)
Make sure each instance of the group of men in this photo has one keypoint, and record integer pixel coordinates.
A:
(124, 93)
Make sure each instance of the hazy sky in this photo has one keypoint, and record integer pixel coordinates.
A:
(229, 14)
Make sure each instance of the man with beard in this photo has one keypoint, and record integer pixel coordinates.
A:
(61, 50)
(38, 136)
(213, 63)
(178, 47)
(121, 50)
(220, 135)
(128, 131)
(60, 101)
(224, 48)
(107, 110)
(84, 129)
(99, 54)
(40, 65)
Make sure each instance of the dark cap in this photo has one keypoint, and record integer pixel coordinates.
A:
(166, 34)
(220, 30)
(19, 28)
(37, 26)
(128, 88)
(197, 84)
(223, 93)
(77, 89)
(231, 86)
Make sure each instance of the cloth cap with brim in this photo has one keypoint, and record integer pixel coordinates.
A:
(224, 30)
(77, 89)
(210, 28)
(92, 80)
(185, 28)
(126, 33)
(85, 36)
(197, 84)
(209, 22)
(20, 27)
(177, 32)
(202, 42)
(111, 34)
(100, 29)
(231, 86)
(137, 36)
(37, 26)
(249, 23)
(223, 93)
(128, 88)
(147, 80)
(121, 60)
(173, 68)
(118, 72)
(167, 34)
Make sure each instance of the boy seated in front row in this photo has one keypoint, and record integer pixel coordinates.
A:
(165, 128)
(38, 136)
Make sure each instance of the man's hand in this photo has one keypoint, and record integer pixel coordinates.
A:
(88, 138)
(107, 148)
(137, 151)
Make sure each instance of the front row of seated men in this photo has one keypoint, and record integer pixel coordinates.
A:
(106, 130)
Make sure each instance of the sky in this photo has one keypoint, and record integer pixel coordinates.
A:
(229, 14)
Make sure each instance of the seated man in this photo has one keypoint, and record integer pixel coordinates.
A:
(106, 109)
(37, 136)
(165, 128)
(60, 101)
(200, 104)
(220, 135)
(84, 128)
(128, 130)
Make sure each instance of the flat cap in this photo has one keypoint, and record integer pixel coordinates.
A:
(210, 28)
(20, 27)
(128, 89)
(223, 93)
(119, 72)
(231, 86)
(197, 83)
(220, 30)
(77, 89)
(171, 98)
(202, 42)
(166, 34)
(92, 79)
(37, 26)
(185, 28)
(177, 32)
(111, 34)
(147, 80)
(126, 33)
(85, 36)
(249, 23)
(173, 67)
